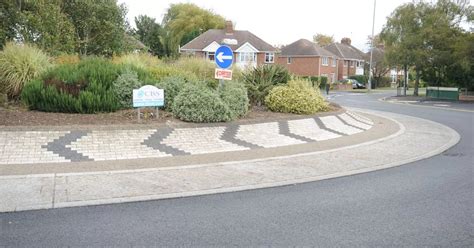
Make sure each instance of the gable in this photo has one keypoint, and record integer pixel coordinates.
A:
(211, 47)
(246, 48)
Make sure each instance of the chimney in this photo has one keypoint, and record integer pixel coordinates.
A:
(346, 41)
(229, 28)
(380, 46)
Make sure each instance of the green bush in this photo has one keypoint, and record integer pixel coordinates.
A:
(360, 78)
(123, 87)
(141, 60)
(20, 64)
(298, 97)
(324, 80)
(234, 95)
(172, 86)
(201, 68)
(198, 103)
(260, 80)
(87, 87)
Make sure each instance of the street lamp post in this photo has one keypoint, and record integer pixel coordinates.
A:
(372, 49)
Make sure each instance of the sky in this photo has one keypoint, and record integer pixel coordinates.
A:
(285, 21)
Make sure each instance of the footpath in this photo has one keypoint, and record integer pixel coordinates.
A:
(55, 167)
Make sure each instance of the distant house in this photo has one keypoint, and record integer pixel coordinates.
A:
(306, 58)
(351, 59)
(249, 50)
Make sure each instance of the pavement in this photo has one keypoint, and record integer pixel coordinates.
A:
(54, 169)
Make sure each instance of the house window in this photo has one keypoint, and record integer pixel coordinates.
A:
(346, 63)
(334, 62)
(288, 60)
(210, 56)
(269, 57)
(247, 57)
(325, 61)
(352, 63)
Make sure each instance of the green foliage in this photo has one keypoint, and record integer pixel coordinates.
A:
(202, 68)
(198, 103)
(18, 65)
(39, 22)
(323, 40)
(123, 87)
(429, 38)
(142, 60)
(172, 86)
(235, 97)
(260, 80)
(324, 80)
(150, 33)
(99, 25)
(298, 97)
(185, 21)
(360, 78)
(86, 87)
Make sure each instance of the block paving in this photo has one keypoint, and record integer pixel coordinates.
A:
(29, 147)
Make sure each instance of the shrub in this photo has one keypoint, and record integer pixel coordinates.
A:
(163, 71)
(20, 64)
(141, 60)
(86, 87)
(234, 95)
(198, 103)
(324, 80)
(172, 86)
(67, 59)
(201, 68)
(360, 78)
(123, 87)
(260, 80)
(297, 97)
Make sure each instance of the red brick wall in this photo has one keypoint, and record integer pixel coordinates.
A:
(301, 66)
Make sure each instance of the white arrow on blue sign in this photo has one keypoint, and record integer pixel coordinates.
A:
(224, 57)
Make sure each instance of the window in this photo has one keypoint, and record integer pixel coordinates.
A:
(269, 57)
(346, 63)
(352, 63)
(247, 57)
(334, 61)
(325, 61)
(288, 60)
(210, 56)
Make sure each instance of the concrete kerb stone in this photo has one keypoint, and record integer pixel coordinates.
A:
(454, 138)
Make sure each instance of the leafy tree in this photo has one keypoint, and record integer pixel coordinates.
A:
(39, 22)
(150, 33)
(403, 39)
(185, 21)
(100, 25)
(429, 37)
(9, 15)
(323, 40)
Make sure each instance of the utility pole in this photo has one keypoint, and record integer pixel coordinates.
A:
(372, 48)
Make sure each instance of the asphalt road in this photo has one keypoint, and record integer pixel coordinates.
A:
(426, 203)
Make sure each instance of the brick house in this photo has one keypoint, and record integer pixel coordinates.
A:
(306, 58)
(351, 59)
(249, 49)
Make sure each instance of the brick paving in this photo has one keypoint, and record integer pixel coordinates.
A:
(29, 147)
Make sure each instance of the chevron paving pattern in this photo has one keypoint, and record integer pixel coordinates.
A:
(89, 145)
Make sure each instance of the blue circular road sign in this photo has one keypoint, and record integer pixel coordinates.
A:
(224, 57)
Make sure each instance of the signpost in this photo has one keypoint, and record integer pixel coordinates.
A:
(224, 59)
(148, 96)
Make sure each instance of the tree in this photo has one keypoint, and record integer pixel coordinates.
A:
(39, 22)
(150, 33)
(429, 37)
(100, 26)
(323, 40)
(185, 21)
(9, 14)
(404, 43)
